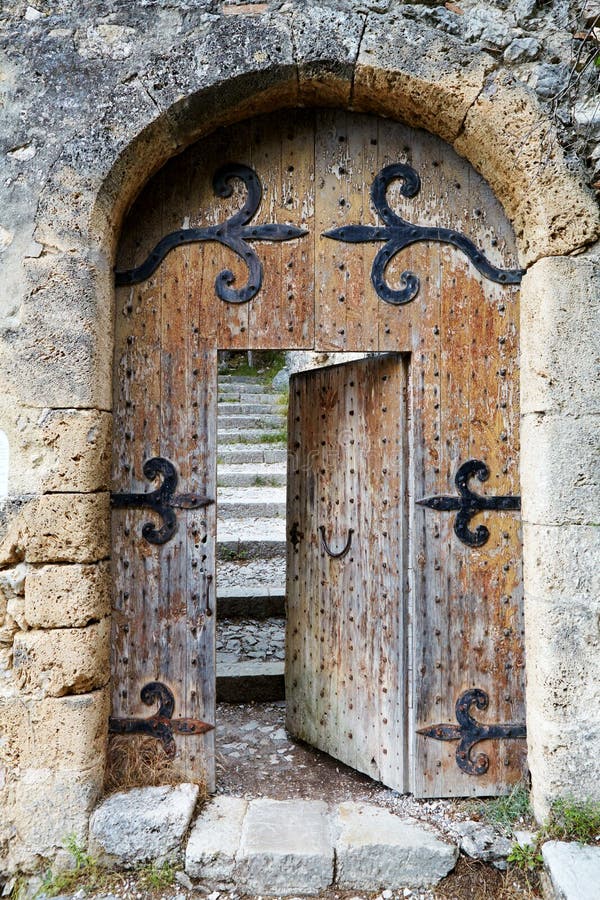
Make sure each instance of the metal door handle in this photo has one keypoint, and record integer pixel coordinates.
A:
(327, 548)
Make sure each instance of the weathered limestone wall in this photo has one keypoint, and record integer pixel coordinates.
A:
(95, 97)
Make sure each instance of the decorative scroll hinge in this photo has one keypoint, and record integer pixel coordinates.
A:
(397, 233)
(234, 233)
(469, 732)
(161, 726)
(468, 503)
(163, 501)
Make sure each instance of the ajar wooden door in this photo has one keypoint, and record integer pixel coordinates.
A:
(346, 683)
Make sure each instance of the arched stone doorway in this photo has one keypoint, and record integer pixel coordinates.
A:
(246, 241)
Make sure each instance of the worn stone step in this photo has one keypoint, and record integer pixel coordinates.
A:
(240, 454)
(573, 869)
(274, 397)
(241, 379)
(251, 409)
(231, 387)
(252, 538)
(262, 602)
(253, 680)
(268, 421)
(301, 847)
(256, 475)
(251, 436)
(251, 502)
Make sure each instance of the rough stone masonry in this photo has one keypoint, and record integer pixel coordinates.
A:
(95, 97)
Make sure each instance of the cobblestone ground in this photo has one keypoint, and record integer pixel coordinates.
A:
(239, 639)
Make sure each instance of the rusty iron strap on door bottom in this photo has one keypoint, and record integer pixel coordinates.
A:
(162, 501)
(161, 726)
(469, 732)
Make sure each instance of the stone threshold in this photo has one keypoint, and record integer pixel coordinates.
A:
(270, 847)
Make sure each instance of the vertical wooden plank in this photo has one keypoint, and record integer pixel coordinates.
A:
(345, 675)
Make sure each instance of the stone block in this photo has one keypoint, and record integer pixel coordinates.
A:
(49, 805)
(142, 825)
(68, 528)
(286, 848)
(417, 75)
(61, 355)
(481, 841)
(62, 661)
(215, 839)
(563, 658)
(560, 298)
(574, 869)
(238, 67)
(511, 142)
(561, 757)
(63, 596)
(560, 469)
(326, 42)
(561, 564)
(376, 849)
(56, 450)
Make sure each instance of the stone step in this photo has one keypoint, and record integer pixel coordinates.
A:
(240, 454)
(264, 602)
(231, 387)
(255, 475)
(250, 436)
(236, 396)
(251, 680)
(251, 502)
(251, 409)
(302, 847)
(241, 379)
(573, 869)
(252, 538)
(266, 422)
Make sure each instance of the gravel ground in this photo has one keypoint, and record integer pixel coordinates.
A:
(253, 573)
(241, 639)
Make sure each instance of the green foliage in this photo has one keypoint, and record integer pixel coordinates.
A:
(526, 857)
(504, 812)
(575, 820)
(264, 481)
(265, 364)
(157, 877)
(273, 437)
(84, 871)
(229, 555)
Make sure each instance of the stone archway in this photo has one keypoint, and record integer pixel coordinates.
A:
(59, 358)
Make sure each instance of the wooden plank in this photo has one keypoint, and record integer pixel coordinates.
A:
(345, 675)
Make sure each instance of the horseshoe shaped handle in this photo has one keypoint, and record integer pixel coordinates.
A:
(341, 553)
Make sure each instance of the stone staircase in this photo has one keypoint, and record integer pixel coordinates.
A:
(251, 541)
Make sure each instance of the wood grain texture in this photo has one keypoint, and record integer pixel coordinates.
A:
(345, 663)
(459, 340)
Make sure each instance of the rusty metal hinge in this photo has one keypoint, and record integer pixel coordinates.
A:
(162, 501)
(469, 732)
(234, 233)
(398, 234)
(161, 726)
(468, 503)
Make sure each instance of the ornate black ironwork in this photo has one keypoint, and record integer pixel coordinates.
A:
(163, 501)
(234, 233)
(327, 548)
(161, 726)
(468, 504)
(399, 234)
(469, 732)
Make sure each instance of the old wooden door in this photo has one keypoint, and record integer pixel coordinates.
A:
(332, 231)
(346, 681)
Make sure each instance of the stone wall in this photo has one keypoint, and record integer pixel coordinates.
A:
(95, 97)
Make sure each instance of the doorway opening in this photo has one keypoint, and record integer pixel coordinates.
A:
(264, 565)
